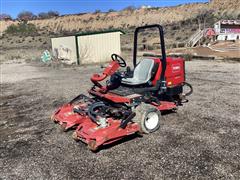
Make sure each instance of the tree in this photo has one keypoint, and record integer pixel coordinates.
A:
(25, 16)
(49, 14)
(111, 10)
(97, 11)
(5, 17)
(43, 15)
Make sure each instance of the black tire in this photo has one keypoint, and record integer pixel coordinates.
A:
(142, 116)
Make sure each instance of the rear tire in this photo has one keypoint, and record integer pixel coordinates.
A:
(148, 117)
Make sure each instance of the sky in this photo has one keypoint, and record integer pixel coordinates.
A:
(13, 7)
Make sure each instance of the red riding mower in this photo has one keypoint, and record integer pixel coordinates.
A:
(130, 102)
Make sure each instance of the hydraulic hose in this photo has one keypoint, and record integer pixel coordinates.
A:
(191, 89)
(91, 110)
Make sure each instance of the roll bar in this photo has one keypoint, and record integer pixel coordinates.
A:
(161, 35)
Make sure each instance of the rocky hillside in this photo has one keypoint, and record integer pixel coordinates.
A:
(131, 18)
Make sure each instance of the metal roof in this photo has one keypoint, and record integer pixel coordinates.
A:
(234, 22)
(98, 32)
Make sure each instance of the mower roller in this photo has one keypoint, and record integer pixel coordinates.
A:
(132, 101)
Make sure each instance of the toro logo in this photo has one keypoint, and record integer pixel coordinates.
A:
(176, 67)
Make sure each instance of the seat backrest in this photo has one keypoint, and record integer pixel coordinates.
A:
(143, 70)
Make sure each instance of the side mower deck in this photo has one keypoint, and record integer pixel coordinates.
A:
(74, 116)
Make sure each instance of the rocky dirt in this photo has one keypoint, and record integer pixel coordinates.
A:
(199, 141)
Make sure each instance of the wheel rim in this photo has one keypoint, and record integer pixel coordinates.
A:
(152, 120)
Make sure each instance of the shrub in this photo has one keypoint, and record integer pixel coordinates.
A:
(144, 40)
(98, 17)
(194, 29)
(24, 29)
(175, 27)
(129, 8)
(178, 38)
(150, 47)
(187, 57)
(174, 46)
(181, 44)
(15, 56)
(5, 17)
(111, 27)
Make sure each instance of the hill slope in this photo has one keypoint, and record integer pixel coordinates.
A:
(127, 19)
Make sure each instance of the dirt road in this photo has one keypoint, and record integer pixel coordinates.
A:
(201, 140)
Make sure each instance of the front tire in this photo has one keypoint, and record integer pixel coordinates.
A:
(148, 117)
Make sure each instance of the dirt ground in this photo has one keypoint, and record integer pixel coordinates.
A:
(219, 49)
(200, 141)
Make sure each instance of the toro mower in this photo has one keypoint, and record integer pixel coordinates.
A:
(130, 101)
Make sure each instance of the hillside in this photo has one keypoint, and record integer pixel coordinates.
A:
(127, 19)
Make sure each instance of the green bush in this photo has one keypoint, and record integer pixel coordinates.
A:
(150, 47)
(187, 57)
(178, 38)
(174, 45)
(175, 27)
(23, 29)
(181, 44)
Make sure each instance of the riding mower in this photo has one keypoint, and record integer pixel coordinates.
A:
(132, 101)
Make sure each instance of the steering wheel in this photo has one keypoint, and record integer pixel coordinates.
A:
(119, 59)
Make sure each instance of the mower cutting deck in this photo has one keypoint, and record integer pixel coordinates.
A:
(130, 102)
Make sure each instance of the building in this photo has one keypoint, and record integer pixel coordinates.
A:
(227, 29)
(87, 48)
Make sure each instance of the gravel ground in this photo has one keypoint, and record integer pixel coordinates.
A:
(200, 141)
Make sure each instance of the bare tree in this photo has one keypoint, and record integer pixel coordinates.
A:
(26, 16)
